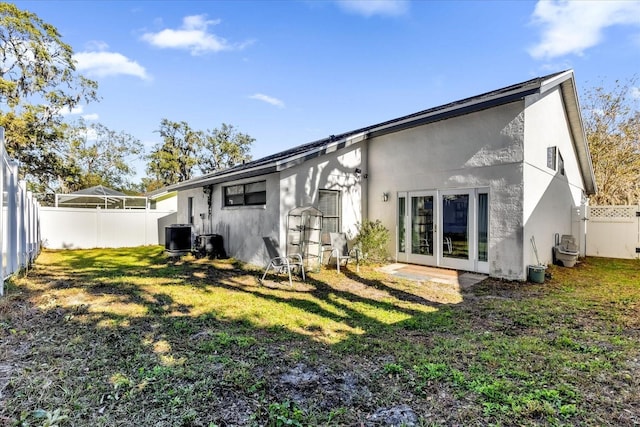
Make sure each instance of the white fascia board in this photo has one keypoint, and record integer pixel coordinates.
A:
(566, 82)
(324, 149)
(556, 80)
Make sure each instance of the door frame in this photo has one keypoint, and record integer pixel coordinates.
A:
(437, 259)
(458, 263)
(417, 258)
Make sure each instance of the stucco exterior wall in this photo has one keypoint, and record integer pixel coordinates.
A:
(299, 185)
(242, 227)
(199, 207)
(550, 198)
(482, 149)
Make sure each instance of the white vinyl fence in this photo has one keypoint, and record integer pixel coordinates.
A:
(81, 228)
(613, 231)
(19, 219)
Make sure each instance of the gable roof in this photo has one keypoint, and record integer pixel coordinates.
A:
(293, 156)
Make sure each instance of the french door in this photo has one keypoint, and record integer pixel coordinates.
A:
(420, 228)
(446, 228)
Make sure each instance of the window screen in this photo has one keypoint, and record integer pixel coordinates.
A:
(329, 205)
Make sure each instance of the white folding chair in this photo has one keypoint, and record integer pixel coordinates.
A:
(340, 250)
(279, 263)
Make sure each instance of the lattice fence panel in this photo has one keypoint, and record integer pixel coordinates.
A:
(613, 213)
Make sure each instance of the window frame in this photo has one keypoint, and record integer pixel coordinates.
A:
(244, 196)
(552, 153)
(338, 215)
(190, 210)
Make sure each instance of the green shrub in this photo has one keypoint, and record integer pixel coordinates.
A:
(372, 239)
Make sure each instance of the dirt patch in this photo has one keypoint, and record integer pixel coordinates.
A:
(326, 389)
(397, 416)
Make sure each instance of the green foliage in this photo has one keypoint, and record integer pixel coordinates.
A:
(185, 151)
(431, 371)
(175, 159)
(101, 155)
(38, 80)
(223, 148)
(393, 368)
(612, 126)
(372, 239)
(285, 414)
(37, 63)
(43, 418)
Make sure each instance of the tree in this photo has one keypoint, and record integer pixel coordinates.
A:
(39, 147)
(223, 148)
(175, 159)
(612, 126)
(38, 80)
(102, 156)
(185, 151)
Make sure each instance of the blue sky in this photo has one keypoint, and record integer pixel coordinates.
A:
(292, 72)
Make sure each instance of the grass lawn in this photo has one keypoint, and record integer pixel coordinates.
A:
(128, 337)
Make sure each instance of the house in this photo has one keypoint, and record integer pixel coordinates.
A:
(465, 185)
(163, 200)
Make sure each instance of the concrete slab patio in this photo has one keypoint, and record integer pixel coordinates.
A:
(461, 279)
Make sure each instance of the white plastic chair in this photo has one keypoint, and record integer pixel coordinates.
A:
(340, 250)
(279, 263)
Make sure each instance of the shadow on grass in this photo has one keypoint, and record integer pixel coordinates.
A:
(129, 337)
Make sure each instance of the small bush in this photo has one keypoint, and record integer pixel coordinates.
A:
(373, 238)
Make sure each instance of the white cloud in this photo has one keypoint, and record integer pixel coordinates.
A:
(268, 99)
(73, 111)
(570, 27)
(96, 45)
(102, 64)
(92, 116)
(192, 36)
(78, 111)
(375, 7)
(635, 92)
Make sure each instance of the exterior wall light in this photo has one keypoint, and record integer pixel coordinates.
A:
(385, 197)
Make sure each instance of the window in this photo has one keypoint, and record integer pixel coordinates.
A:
(249, 194)
(329, 205)
(483, 227)
(551, 158)
(190, 210)
(401, 217)
(555, 160)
